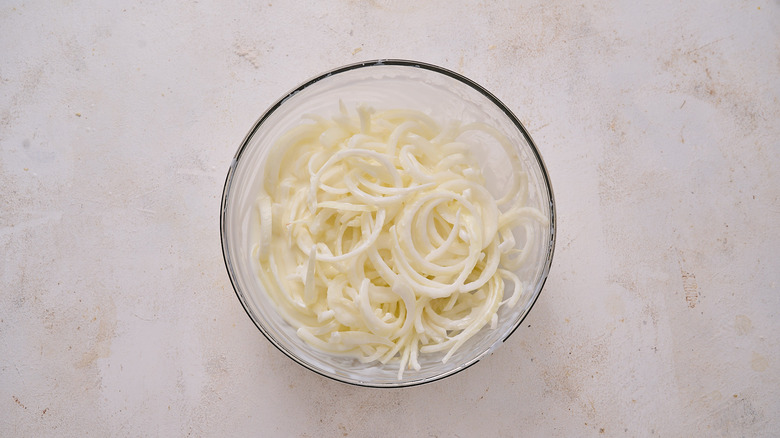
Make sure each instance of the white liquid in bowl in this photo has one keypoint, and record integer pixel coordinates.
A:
(385, 87)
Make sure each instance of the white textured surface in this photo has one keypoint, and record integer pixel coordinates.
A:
(660, 126)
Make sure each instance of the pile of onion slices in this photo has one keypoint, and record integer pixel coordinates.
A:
(379, 240)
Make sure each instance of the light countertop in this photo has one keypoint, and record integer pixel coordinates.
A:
(660, 128)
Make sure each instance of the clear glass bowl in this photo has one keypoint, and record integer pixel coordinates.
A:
(382, 84)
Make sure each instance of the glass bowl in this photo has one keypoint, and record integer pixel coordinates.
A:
(384, 84)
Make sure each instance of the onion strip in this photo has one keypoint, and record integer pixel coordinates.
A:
(379, 240)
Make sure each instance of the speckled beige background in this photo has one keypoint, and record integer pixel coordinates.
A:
(660, 126)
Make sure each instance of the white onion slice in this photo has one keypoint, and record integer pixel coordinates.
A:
(379, 241)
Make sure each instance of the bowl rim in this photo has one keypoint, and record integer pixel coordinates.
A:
(368, 64)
